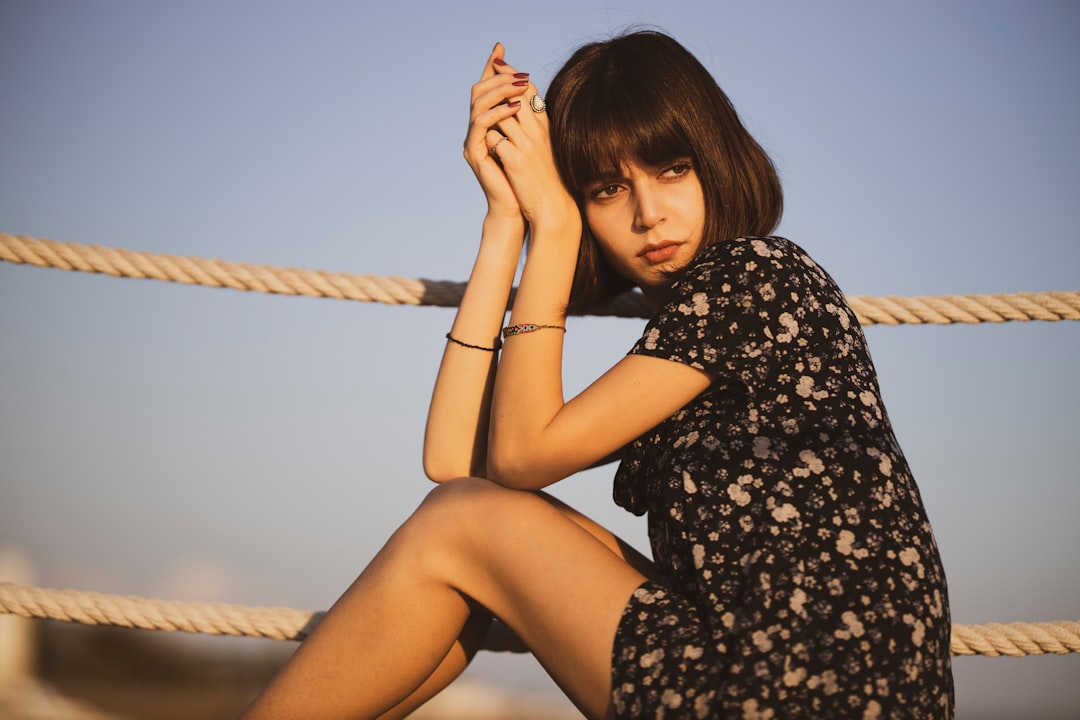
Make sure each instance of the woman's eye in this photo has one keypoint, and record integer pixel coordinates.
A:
(605, 191)
(678, 169)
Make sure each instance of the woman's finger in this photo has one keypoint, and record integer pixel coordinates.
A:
(495, 67)
(533, 112)
(496, 63)
(492, 141)
(497, 119)
(489, 66)
(530, 122)
(498, 90)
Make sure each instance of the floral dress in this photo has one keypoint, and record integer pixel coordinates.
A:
(798, 574)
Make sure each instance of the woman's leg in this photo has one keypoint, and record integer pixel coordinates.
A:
(471, 640)
(480, 633)
(613, 542)
(526, 561)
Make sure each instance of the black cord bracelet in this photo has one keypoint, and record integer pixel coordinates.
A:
(453, 339)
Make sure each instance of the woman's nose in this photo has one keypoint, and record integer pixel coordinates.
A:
(648, 211)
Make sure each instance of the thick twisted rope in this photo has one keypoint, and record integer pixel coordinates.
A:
(88, 608)
(885, 310)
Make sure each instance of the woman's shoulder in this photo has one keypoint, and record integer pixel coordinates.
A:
(753, 248)
(767, 275)
(749, 260)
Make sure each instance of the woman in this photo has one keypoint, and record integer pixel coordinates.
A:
(795, 572)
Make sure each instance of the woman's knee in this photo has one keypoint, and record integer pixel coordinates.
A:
(468, 495)
(464, 511)
(453, 507)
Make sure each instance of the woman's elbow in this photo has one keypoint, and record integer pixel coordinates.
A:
(435, 476)
(447, 464)
(439, 471)
(515, 471)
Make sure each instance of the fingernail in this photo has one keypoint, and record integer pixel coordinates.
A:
(524, 76)
(520, 83)
(499, 61)
(513, 104)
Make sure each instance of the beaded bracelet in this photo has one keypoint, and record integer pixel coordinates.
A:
(511, 330)
(453, 339)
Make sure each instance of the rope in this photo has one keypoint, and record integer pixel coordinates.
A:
(1016, 639)
(88, 608)
(393, 290)
(215, 273)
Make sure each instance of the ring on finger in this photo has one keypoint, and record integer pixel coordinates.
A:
(537, 103)
(491, 150)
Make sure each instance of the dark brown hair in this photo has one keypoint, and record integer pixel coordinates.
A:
(644, 97)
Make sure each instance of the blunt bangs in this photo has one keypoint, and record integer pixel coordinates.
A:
(618, 126)
(616, 117)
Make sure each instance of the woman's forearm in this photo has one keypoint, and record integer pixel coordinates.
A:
(528, 390)
(455, 440)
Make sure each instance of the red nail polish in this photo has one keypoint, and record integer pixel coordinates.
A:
(520, 83)
(499, 61)
(513, 104)
(522, 76)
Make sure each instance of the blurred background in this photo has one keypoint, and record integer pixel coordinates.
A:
(200, 444)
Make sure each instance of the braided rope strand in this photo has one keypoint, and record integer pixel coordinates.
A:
(89, 608)
(393, 290)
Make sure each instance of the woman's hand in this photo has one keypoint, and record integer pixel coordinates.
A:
(495, 99)
(509, 147)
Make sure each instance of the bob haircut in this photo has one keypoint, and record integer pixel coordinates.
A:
(644, 97)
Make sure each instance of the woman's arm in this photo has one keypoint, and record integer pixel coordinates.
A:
(536, 438)
(455, 440)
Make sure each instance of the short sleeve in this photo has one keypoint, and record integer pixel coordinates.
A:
(743, 307)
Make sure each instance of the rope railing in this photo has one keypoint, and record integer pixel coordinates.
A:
(871, 310)
(90, 608)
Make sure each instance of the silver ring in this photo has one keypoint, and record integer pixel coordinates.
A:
(537, 103)
(491, 150)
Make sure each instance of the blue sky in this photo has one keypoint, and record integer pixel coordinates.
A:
(216, 445)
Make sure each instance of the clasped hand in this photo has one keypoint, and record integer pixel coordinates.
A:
(508, 147)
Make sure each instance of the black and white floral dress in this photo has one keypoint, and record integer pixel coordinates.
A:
(799, 577)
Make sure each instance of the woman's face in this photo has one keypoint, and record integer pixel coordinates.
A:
(648, 221)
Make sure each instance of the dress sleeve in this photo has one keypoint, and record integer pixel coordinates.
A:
(744, 308)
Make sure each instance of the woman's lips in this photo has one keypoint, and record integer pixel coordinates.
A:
(660, 252)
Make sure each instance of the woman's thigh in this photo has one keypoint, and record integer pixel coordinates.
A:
(617, 545)
(532, 565)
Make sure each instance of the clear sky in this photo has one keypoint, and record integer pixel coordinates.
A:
(204, 444)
